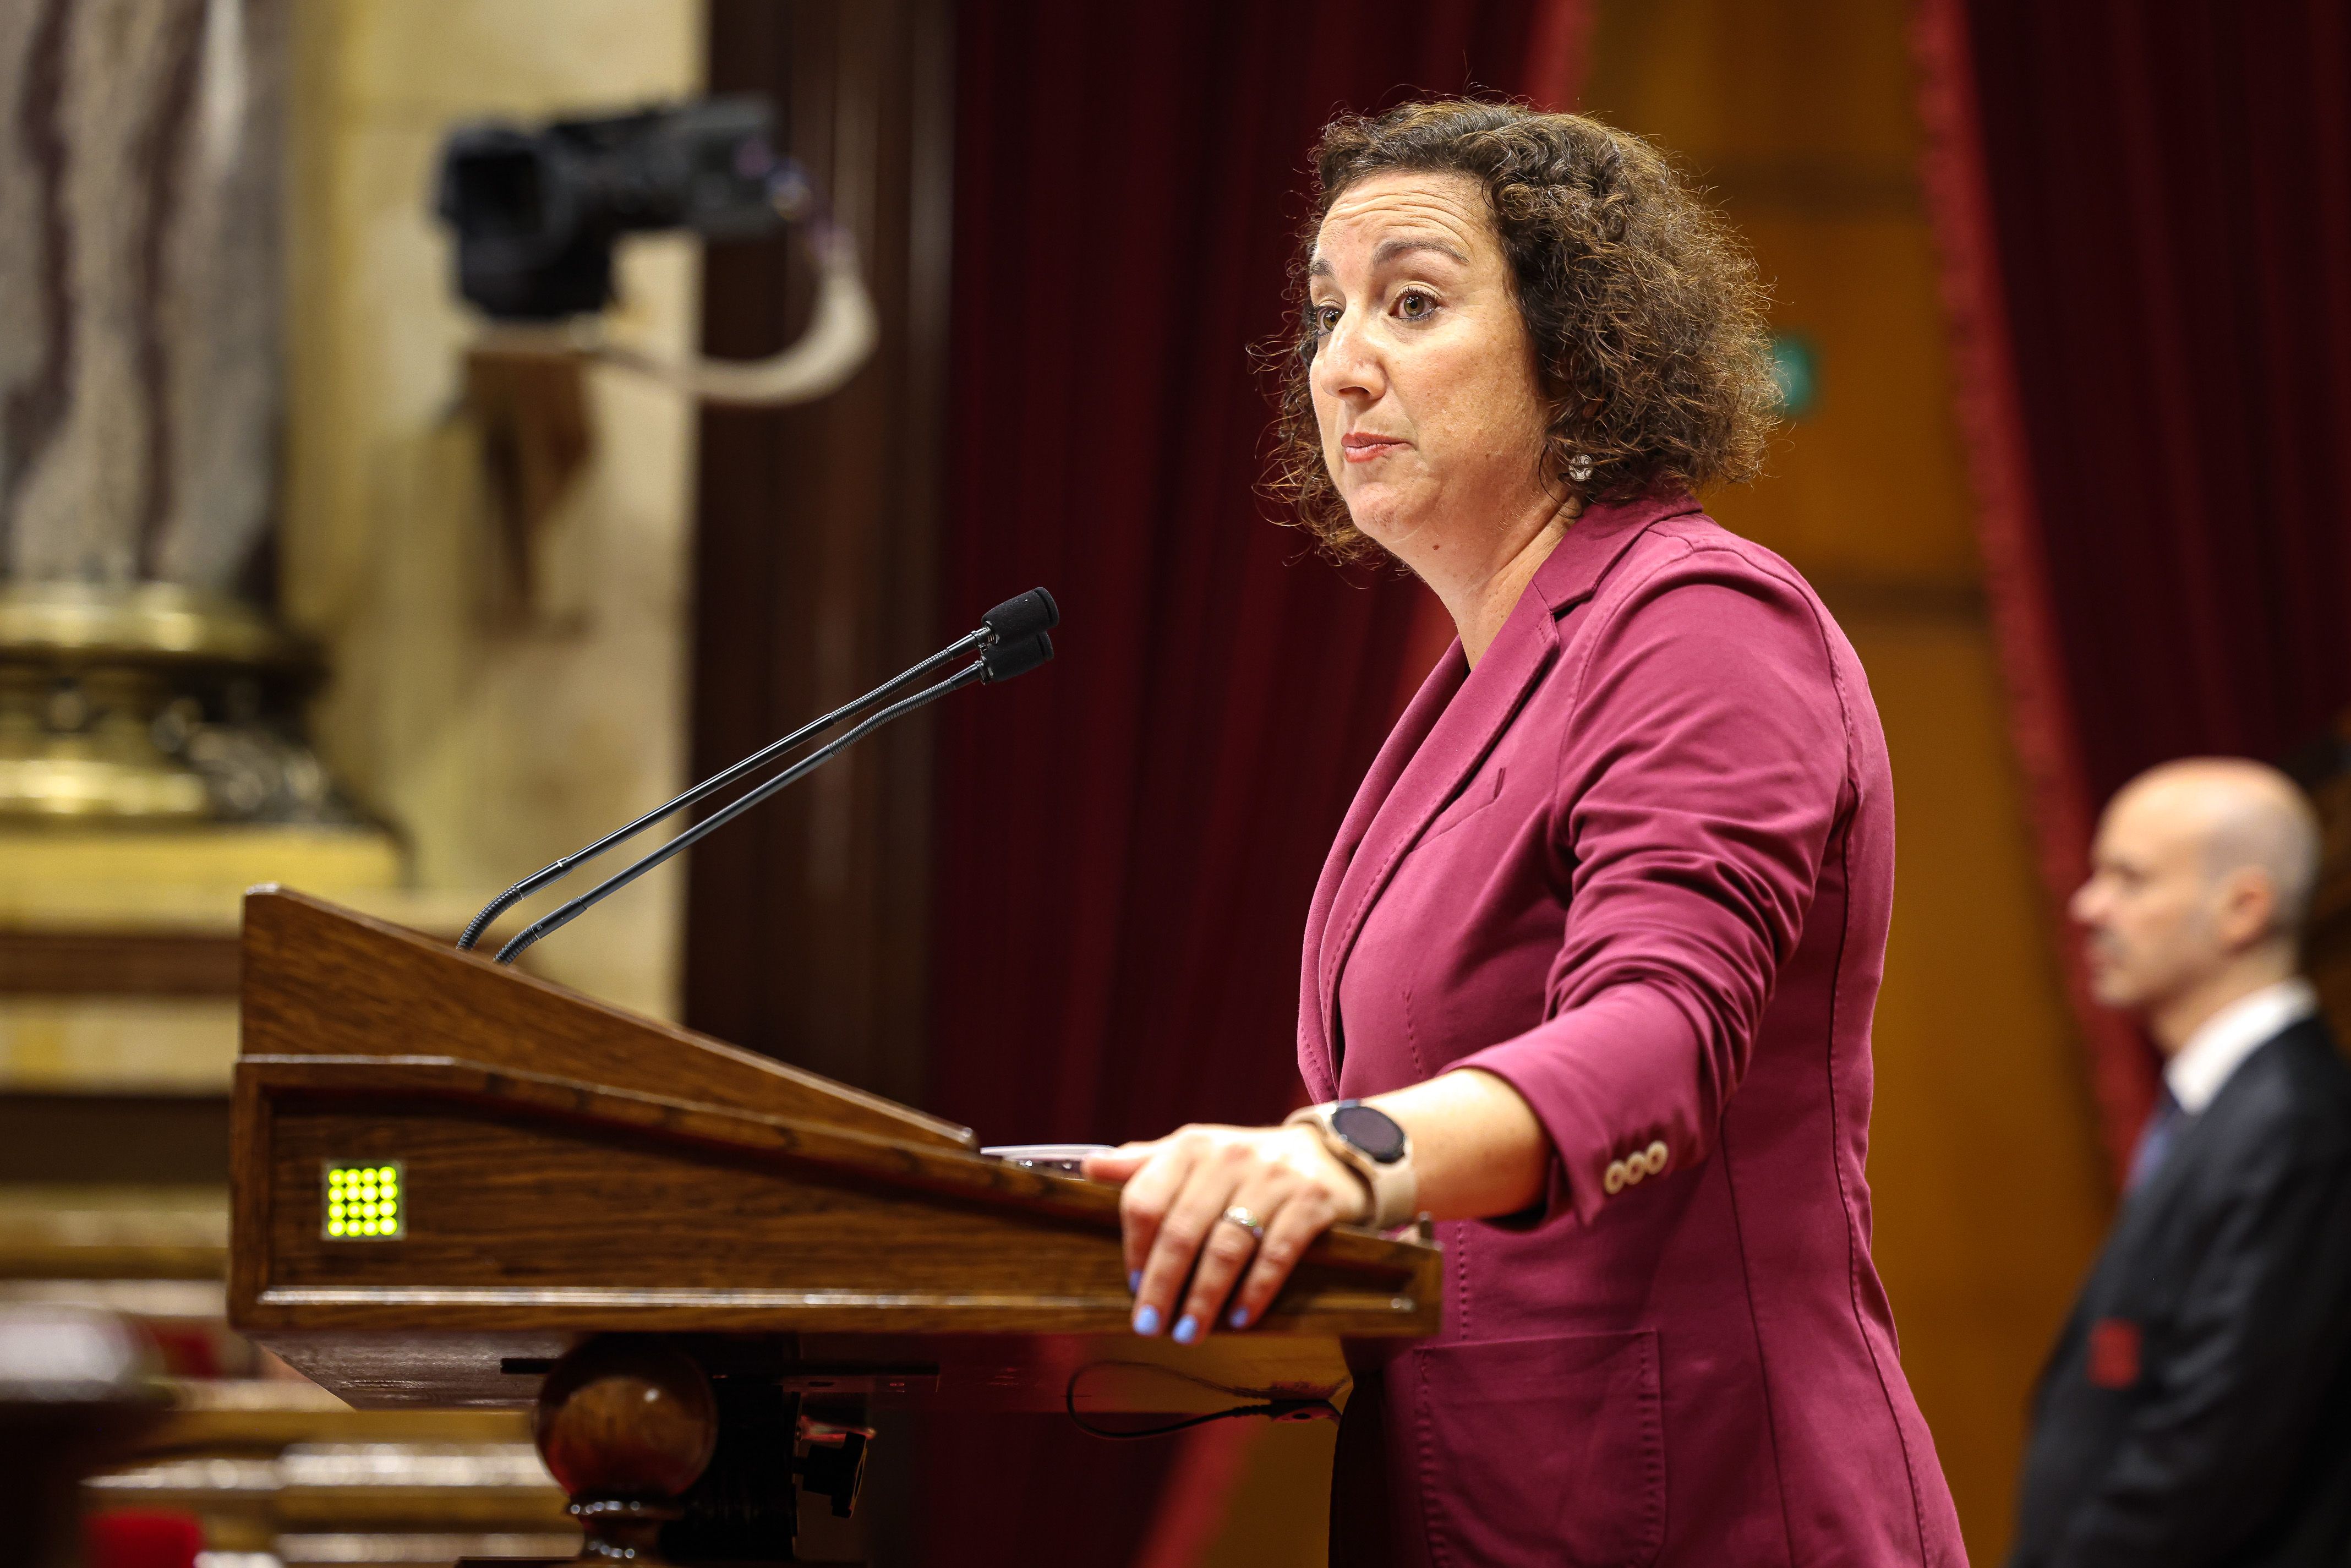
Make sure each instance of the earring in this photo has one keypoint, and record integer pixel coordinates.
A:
(1579, 467)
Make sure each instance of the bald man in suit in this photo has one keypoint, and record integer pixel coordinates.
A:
(2197, 1410)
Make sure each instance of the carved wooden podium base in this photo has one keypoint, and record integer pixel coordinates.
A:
(675, 1457)
(626, 1426)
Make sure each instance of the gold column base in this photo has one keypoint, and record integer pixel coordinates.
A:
(87, 670)
(64, 786)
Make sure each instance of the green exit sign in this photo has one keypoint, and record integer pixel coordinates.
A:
(1796, 372)
(365, 1202)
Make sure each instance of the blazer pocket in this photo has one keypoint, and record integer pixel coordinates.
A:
(1482, 792)
(1543, 1451)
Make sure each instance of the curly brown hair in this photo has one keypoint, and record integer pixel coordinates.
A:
(1642, 302)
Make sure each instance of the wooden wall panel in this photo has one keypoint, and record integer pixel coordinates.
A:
(806, 923)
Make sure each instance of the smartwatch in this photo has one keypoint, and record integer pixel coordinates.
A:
(1369, 1142)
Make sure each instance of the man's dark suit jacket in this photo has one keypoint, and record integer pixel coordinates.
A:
(2197, 1410)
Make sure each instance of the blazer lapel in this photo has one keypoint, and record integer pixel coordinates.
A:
(1420, 715)
(2141, 1210)
(1449, 751)
(1452, 722)
(2188, 1146)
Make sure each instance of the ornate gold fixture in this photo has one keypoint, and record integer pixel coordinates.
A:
(113, 702)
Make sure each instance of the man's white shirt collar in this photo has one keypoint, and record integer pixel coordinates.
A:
(2222, 1042)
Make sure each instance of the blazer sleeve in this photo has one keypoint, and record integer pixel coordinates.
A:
(1700, 776)
(2238, 1381)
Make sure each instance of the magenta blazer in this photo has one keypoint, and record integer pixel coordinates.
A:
(1639, 864)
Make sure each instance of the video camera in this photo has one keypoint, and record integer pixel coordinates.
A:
(536, 212)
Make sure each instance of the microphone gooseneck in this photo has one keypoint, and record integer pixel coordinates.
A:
(1010, 642)
(566, 914)
(978, 638)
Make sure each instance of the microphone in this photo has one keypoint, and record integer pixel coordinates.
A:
(1010, 640)
(1006, 660)
(1032, 615)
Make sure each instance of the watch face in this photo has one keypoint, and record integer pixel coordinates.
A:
(1373, 1132)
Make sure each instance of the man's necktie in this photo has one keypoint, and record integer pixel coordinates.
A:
(2154, 1138)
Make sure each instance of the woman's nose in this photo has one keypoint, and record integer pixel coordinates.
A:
(1347, 363)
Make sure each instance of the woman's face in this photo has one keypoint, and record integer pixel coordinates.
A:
(1424, 378)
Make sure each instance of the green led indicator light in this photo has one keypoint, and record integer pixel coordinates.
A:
(364, 1203)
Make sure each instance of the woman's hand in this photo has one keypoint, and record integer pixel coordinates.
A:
(1177, 1191)
(1476, 1150)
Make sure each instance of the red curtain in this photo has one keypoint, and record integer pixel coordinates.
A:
(2146, 215)
(1126, 842)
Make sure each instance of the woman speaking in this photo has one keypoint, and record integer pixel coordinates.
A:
(1588, 974)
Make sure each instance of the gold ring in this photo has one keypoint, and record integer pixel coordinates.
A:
(1249, 1222)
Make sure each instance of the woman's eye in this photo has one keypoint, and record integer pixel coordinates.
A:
(1416, 305)
(1326, 317)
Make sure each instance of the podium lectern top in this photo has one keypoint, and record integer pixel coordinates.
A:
(323, 982)
(447, 1173)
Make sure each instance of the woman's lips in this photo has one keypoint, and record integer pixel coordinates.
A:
(1363, 448)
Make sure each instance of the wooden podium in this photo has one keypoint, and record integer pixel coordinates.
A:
(457, 1185)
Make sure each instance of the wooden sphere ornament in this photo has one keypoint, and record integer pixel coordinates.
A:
(625, 1425)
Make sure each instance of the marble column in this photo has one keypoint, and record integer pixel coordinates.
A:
(140, 287)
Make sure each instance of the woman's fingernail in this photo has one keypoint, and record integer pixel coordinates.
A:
(1239, 1319)
(1187, 1329)
(1134, 1281)
(1146, 1320)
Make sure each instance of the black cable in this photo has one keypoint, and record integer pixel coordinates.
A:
(701, 791)
(1282, 1409)
(565, 913)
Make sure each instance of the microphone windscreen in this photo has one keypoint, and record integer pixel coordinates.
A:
(1008, 659)
(1016, 619)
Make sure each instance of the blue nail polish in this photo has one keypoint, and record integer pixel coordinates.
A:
(1134, 1281)
(1146, 1320)
(1239, 1319)
(1187, 1329)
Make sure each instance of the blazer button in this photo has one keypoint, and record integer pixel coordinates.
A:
(1654, 1158)
(1618, 1175)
